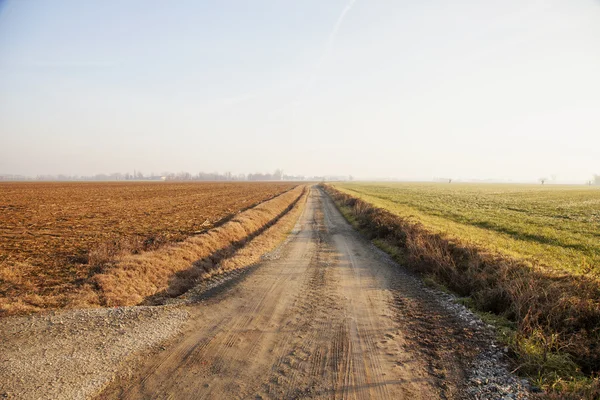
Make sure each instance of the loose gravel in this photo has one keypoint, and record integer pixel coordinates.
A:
(75, 354)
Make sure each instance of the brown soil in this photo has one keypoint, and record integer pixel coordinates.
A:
(54, 237)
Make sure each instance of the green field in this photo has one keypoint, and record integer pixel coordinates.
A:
(553, 225)
(526, 257)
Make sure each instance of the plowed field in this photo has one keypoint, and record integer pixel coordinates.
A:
(55, 235)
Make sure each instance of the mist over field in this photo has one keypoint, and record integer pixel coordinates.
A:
(505, 91)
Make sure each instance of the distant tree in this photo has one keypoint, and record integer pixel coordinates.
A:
(543, 180)
(183, 176)
(450, 180)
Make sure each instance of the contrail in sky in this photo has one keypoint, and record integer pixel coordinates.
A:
(330, 42)
(328, 45)
(336, 27)
(326, 51)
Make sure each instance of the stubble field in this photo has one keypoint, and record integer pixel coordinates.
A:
(55, 236)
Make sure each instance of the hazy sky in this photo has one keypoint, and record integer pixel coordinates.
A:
(410, 89)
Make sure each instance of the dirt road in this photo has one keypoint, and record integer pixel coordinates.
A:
(330, 317)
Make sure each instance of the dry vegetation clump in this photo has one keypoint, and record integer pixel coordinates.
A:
(54, 237)
(549, 319)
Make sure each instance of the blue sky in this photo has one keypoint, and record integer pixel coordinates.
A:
(414, 90)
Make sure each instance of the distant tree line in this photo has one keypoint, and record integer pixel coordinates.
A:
(278, 175)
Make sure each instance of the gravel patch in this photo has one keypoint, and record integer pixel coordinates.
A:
(490, 376)
(74, 354)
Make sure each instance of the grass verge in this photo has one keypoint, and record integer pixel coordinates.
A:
(549, 320)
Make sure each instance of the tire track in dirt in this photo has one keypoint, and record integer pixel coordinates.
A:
(325, 320)
(305, 359)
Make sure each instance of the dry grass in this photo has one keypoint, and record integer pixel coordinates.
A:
(138, 276)
(553, 318)
(237, 257)
(56, 237)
